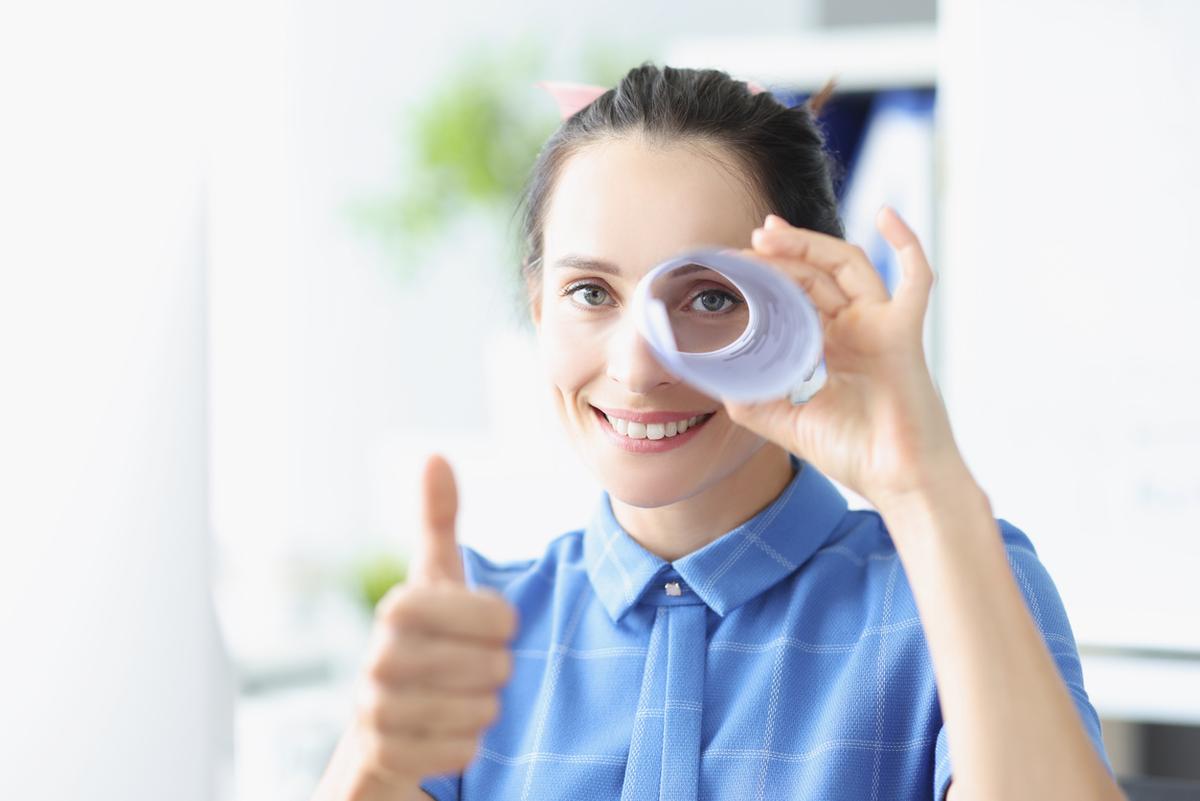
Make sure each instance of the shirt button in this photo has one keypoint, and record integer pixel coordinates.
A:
(672, 588)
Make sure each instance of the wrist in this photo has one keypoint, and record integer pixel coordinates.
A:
(931, 483)
(939, 505)
(347, 778)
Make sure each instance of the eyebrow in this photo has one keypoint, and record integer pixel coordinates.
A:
(575, 262)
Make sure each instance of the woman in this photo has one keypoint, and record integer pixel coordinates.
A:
(724, 627)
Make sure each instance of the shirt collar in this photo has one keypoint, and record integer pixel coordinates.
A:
(731, 569)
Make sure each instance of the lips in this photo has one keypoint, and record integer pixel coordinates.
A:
(673, 431)
(651, 416)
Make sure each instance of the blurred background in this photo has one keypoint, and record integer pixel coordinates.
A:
(257, 260)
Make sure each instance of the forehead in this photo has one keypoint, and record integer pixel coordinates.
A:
(636, 204)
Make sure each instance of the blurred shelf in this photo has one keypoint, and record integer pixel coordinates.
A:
(1143, 686)
(862, 59)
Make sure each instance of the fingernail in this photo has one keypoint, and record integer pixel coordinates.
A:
(774, 221)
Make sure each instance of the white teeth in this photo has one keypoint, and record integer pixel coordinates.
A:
(653, 430)
(619, 425)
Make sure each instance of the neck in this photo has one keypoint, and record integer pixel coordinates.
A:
(677, 529)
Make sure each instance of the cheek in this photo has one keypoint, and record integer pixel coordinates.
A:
(572, 352)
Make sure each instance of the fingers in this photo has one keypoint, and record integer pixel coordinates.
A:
(820, 287)
(439, 655)
(438, 660)
(412, 662)
(916, 276)
(767, 418)
(449, 610)
(845, 263)
(437, 558)
(427, 712)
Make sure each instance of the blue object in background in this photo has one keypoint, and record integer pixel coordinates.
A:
(882, 143)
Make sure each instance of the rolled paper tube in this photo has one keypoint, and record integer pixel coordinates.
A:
(780, 352)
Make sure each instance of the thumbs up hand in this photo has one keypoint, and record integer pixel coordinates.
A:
(440, 654)
(438, 558)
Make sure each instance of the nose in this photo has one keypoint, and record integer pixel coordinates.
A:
(631, 362)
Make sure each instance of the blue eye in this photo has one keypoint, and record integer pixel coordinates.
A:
(587, 294)
(712, 300)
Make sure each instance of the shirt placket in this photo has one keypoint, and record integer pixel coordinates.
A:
(664, 755)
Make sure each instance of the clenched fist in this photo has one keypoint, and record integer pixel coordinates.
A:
(438, 658)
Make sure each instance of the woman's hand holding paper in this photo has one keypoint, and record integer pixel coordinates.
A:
(878, 426)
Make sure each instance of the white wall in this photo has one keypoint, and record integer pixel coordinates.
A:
(1069, 287)
(112, 683)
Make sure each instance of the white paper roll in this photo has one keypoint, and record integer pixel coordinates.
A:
(780, 352)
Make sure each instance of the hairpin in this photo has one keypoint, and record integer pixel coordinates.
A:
(571, 97)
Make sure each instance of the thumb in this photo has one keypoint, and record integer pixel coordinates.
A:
(437, 557)
(771, 419)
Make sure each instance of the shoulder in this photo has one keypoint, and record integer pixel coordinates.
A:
(564, 553)
(1040, 592)
(862, 538)
(859, 560)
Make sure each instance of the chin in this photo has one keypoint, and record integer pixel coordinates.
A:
(650, 493)
(652, 481)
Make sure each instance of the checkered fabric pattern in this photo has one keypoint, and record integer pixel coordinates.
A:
(783, 660)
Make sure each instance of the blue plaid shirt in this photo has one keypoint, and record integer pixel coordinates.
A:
(783, 660)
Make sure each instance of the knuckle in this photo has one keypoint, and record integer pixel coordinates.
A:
(375, 717)
(498, 611)
(379, 669)
(370, 708)
(393, 594)
(489, 710)
(397, 665)
(451, 754)
(505, 617)
(374, 667)
(409, 611)
(502, 665)
(796, 245)
(379, 672)
(395, 605)
(464, 751)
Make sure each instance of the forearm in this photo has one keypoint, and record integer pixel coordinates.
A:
(1012, 726)
(345, 781)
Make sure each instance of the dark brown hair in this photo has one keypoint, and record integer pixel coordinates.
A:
(781, 150)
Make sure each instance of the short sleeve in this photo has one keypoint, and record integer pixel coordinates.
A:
(447, 787)
(1046, 607)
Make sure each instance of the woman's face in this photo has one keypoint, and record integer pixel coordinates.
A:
(620, 208)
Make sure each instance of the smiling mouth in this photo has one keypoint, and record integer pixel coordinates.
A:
(653, 431)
